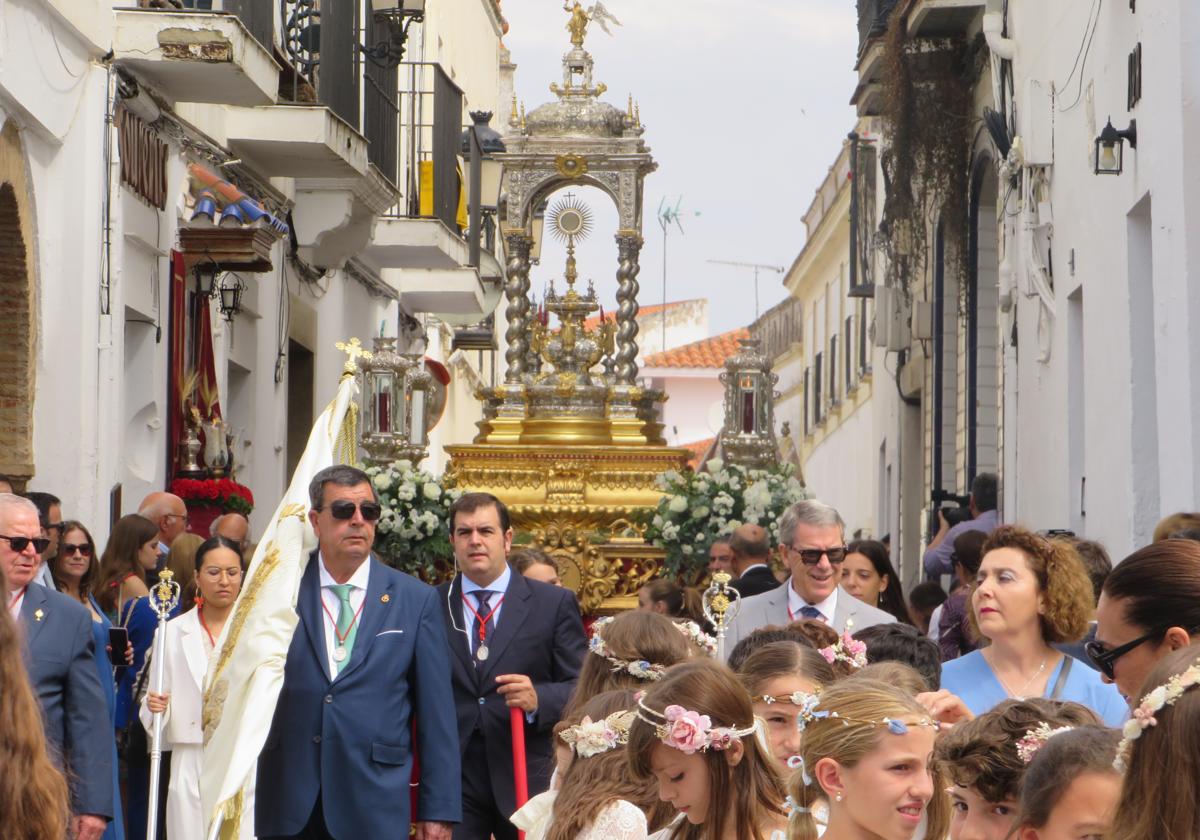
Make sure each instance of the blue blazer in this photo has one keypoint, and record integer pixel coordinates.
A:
(62, 669)
(349, 739)
(539, 634)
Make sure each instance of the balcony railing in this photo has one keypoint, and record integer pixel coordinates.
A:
(256, 15)
(873, 18)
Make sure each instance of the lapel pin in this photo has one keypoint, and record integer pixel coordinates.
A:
(384, 598)
(38, 615)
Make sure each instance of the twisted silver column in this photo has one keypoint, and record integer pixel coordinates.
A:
(629, 245)
(516, 291)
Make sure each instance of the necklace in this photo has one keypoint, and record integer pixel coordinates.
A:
(200, 611)
(339, 646)
(1020, 695)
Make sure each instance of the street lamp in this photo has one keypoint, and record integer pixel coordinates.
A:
(401, 14)
(230, 293)
(479, 143)
(1110, 148)
(537, 231)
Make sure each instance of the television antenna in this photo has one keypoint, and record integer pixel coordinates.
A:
(667, 216)
(757, 267)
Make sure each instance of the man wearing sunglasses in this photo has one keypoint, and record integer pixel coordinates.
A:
(813, 536)
(62, 669)
(368, 657)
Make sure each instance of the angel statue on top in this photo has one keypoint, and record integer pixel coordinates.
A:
(580, 18)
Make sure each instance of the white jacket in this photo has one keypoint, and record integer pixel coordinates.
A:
(183, 679)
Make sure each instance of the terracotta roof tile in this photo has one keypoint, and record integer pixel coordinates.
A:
(594, 321)
(708, 353)
(699, 449)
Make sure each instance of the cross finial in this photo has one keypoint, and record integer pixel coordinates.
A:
(354, 351)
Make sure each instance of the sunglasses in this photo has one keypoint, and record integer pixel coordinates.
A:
(812, 556)
(344, 509)
(18, 544)
(67, 549)
(1106, 659)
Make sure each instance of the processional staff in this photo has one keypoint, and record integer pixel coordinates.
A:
(721, 604)
(163, 598)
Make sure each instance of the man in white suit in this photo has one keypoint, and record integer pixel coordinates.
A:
(812, 536)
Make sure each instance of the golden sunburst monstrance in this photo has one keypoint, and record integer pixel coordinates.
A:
(570, 218)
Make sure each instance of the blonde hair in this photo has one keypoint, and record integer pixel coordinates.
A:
(181, 560)
(848, 743)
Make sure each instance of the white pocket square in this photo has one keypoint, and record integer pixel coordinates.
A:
(386, 632)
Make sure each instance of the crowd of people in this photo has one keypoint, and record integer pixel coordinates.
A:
(1048, 695)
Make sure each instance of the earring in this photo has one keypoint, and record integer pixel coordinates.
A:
(839, 796)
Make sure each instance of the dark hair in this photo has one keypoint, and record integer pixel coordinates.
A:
(681, 601)
(120, 558)
(723, 540)
(1096, 563)
(927, 596)
(213, 543)
(530, 555)
(985, 491)
(1059, 761)
(982, 753)
(891, 599)
(1159, 586)
(904, 643)
(1186, 534)
(44, 501)
(765, 636)
(746, 792)
(341, 475)
(471, 502)
(968, 551)
(783, 659)
(85, 582)
(744, 546)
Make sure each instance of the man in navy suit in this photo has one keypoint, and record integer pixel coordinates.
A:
(515, 642)
(62, 669)
(368, 657)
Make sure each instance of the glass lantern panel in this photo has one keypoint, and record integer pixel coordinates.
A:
(417, 410)
(381, 417)
(748, 411)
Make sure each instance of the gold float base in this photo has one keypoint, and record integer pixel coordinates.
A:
(579, 504)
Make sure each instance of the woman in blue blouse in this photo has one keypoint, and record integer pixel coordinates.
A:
(1029, 593)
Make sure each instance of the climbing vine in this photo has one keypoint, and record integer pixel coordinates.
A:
(927, 113)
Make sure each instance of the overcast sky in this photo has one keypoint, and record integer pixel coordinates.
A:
(745, 105)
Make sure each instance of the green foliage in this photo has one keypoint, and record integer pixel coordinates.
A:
(413, 534)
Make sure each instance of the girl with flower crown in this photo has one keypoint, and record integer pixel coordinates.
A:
(630, 650)
(777, 676)
(696, 739)
(1160, 755)
(867, 751)
(1071, 788)
(984, 761)
(597, 799)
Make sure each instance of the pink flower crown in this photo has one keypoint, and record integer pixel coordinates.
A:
(1143, 716)
(1036, 738)
(846, 649)
(688, 731)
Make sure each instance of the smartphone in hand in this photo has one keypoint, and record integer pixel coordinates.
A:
(118, 642)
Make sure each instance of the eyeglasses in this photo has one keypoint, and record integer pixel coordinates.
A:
(185, 517)
(344, 509)
(1106, 659)
(812, 556)
(67, 549)
(18, 544)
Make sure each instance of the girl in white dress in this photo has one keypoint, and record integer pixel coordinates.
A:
(694, 741)
(188, 644)
(1071, 787)
(867, 751)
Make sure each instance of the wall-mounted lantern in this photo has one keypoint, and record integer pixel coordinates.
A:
(1110, 148)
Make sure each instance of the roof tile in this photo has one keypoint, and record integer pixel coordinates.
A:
(707, 353)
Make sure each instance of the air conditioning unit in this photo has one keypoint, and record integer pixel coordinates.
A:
(892, 330)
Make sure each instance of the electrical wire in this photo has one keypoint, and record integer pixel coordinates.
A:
(1085, 49)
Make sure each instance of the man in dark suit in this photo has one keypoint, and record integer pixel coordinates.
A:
(368, 657)
(62, 669)
(515, 642)
(751, 547)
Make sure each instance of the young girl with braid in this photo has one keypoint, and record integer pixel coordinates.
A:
(867, 751)
(696, 739)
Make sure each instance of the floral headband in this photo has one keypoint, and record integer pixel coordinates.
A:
(1036, 738)
(796, 698)
(809, 714)
(1143, 716)
(688, 731)
(846, 649)
(591, 738)
(640, 668)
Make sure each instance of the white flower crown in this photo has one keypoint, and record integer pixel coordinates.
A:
(1143, 716)
(1036, 738)
(591, 738)
(643, 669)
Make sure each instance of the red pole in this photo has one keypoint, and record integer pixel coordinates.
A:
(517, 719)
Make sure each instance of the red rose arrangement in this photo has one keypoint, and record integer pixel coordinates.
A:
(224, 493)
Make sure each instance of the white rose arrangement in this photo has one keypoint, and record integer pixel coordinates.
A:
(412, 534)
